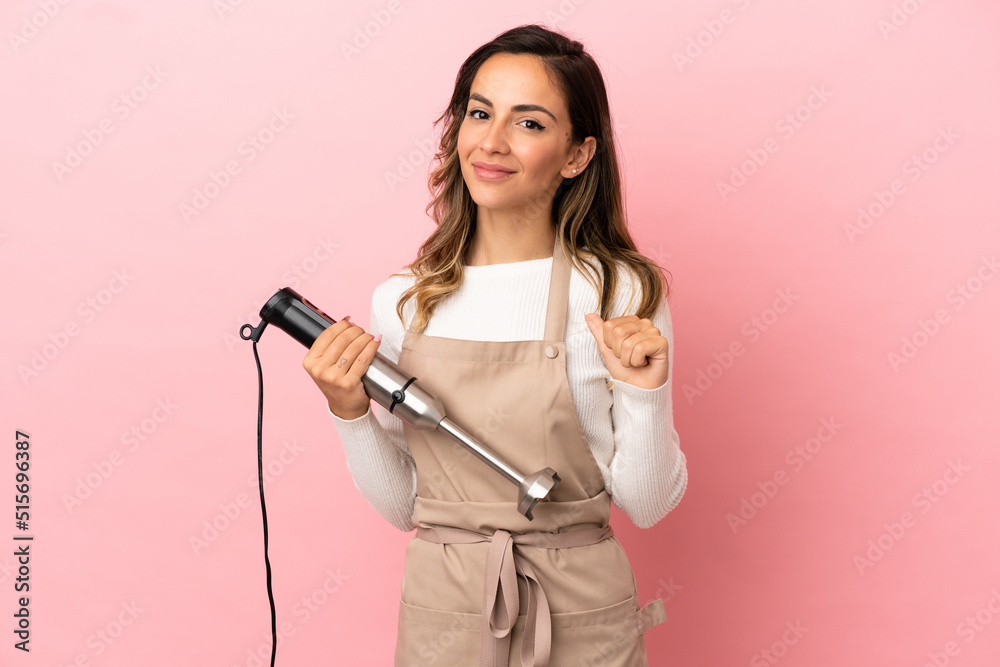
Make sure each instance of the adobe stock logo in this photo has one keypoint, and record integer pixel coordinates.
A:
(796, 457)
(899, 17)
(230, 512)
(59, 340)
(104, 468)
(967, 629)
(712, 30)
(752, 329)
(31, 25)
(225, 7)
(381, 18)
(960, 295)
(562, 13)
(786, 126)
(408, 164)
(914, 167)
(303, 610)
(248, 150)
(122, 108)
(924, 500)
(102, 640)
(779, 648)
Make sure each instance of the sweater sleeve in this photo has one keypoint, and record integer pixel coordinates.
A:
(375, 446)
(648, 469)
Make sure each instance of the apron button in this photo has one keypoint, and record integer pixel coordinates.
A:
(551, 351)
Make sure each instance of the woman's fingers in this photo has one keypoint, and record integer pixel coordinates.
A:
(356, 340)
(635, 348)
(323, 342)
(634, 340)
(620, 329)
(364, 357)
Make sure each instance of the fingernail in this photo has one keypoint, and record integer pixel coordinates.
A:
(346, 317)
(378, 337)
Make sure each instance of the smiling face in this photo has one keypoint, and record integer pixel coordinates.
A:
(515, 141)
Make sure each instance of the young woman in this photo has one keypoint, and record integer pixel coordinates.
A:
(550, 342)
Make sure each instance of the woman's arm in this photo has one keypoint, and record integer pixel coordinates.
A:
(648, 469)
(375, 446)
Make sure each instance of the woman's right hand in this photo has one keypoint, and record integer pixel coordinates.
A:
(337, 360)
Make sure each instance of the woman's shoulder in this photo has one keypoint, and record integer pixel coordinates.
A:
(627, 280)
(622, 267)
(395, 283)
(386, 295)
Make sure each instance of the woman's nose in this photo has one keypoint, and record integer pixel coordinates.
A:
(495, 138)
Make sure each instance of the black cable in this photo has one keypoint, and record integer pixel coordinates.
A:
(260, 479)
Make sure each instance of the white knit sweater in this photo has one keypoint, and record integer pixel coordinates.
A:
(630, 429)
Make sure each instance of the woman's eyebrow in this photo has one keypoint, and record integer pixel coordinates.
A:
(517, 108)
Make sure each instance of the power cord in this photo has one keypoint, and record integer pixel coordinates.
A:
(254, 335)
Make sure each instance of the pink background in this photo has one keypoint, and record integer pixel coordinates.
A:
(130, 310)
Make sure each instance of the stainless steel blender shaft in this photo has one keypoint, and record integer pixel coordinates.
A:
(394, 389)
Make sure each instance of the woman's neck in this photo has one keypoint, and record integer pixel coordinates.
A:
(501, 240)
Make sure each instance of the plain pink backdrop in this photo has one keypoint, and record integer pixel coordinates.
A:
(836, 378)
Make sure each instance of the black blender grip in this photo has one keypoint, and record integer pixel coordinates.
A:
(295, 315)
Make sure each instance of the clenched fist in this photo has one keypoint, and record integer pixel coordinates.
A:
(634, 350)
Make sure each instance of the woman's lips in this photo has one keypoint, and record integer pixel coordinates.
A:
(489, 174)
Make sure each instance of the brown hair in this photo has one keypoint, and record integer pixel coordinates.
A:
(588, 216)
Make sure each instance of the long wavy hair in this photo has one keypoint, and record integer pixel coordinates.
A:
(587, 212)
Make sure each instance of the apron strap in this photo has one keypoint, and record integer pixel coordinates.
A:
(500, 600)
(500, 594)
(536, 646)
(650, 616)
(558, 299)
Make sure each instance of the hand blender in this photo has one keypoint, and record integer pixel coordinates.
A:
(395, 389)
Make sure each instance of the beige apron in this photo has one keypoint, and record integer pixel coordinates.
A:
(483, 585)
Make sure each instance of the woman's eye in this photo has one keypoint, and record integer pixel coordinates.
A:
(529, 123)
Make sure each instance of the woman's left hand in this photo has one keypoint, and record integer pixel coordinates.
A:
(633, 349)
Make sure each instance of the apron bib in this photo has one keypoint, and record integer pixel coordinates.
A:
(482, 584)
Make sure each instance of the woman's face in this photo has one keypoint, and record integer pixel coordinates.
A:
(516, 122)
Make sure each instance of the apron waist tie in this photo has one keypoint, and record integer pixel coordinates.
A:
(500, 595)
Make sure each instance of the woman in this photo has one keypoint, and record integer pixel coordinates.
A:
(537, 348)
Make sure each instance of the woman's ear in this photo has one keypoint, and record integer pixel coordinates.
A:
(580, 158)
